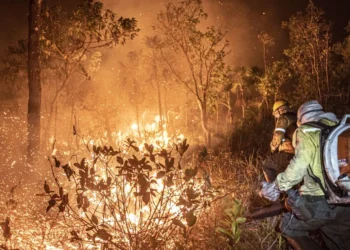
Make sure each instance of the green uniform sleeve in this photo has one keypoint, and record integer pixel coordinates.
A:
(297, 168)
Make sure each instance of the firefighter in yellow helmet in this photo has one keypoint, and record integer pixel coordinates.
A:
(310, 208)
(282, 150)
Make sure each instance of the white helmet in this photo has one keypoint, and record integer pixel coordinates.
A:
(309, 109)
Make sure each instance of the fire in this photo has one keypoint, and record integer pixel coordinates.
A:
(119, 203)
(155, 133)
(134, 126)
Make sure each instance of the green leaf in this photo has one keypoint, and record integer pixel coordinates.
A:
(229, 212)
(224, 231)
(241, 220)
(234, 228)
(238, 237)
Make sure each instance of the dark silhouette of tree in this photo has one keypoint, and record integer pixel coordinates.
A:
(34, 78)
(267, 41)
(309, 53)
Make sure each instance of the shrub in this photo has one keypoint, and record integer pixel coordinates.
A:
(127, 198)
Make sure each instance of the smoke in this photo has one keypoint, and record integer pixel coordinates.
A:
(116, 79)
(244, 20)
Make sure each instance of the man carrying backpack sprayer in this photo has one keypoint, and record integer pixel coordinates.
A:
(311, 210)
(282, 150)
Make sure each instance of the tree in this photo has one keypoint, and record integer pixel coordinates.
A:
(278, 75)
(267, 41)
(309, 53)
(70, 43)
(13, 72)
(34, 79)
(203, 52)
(154, 44)
(341, 91)
(60, 49)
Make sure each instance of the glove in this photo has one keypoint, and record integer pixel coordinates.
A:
(293, 195)
(270, 191)
(273, 147)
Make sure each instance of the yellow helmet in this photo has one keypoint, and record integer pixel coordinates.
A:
(279, 104)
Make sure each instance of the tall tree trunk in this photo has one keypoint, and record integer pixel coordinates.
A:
(159, 94)
(264, 56)
(34, 79)
(165, 104)
(204, 123)
(217, 117)
(136, 90)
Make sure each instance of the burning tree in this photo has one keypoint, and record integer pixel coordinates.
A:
(129, 199)
(202, 51)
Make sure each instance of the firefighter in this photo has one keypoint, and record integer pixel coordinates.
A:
(311, 210)
(282, 150)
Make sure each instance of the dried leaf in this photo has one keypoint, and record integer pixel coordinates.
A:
(94, 219)
(46, 188)
(190, 218)
(178, 223)
(160, 174)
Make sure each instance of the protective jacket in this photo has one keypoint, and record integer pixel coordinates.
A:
(307, 156)
(283, 133)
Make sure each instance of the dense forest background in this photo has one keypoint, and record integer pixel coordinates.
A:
(73, 97)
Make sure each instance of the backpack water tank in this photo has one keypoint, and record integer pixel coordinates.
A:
(336, 154)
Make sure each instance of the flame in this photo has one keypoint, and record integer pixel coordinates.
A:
(134, 126)
(155, 133)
